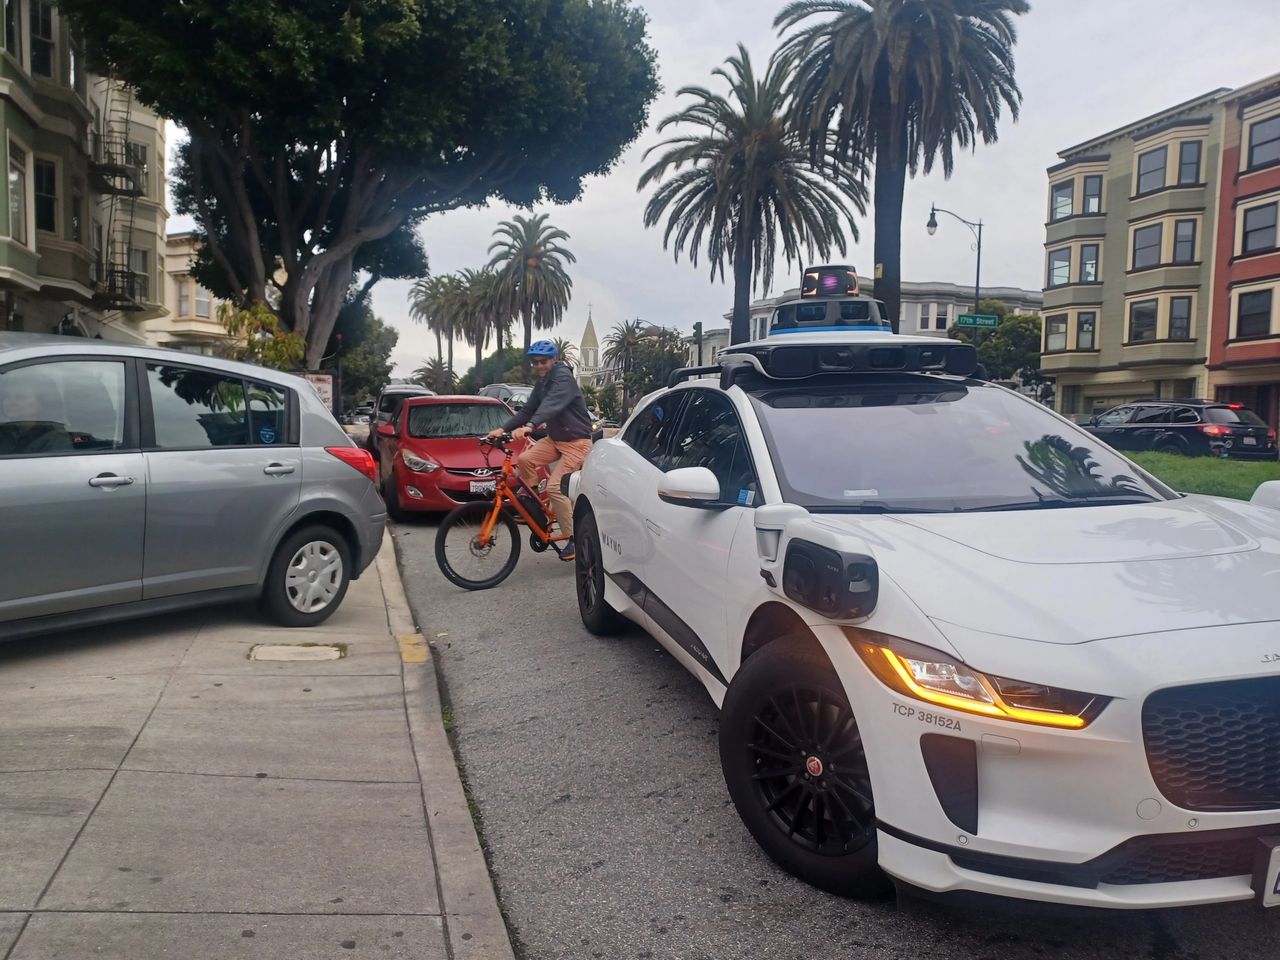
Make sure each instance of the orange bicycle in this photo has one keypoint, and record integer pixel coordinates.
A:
(478, 544)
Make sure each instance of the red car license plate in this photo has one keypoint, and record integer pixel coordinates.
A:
(483, 486)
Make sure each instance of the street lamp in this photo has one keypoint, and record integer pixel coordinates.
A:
(975, 229)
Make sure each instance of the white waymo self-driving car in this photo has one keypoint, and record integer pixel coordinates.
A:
(958, 642)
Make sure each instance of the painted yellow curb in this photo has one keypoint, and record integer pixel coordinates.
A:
(413, 647)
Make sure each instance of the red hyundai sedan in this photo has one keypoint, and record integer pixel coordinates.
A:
(430, 457)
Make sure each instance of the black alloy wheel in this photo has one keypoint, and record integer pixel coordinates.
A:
(795, 767)
(588, 568)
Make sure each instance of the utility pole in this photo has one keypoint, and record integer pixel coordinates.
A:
(697, 339)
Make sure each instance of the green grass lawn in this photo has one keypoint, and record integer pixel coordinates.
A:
(1219, 478)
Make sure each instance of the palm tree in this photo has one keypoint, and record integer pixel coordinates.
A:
(527, 253)
(740, 182)
(621, 347)
(480, 306)
(435, 376)
(905, 81)
(567, 350)
(435, 301)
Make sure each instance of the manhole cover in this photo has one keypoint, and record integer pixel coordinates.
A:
(298, 651)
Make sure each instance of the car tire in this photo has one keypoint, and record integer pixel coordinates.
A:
(598, 617)
(312, 555)
(829, 838)
(391, 497)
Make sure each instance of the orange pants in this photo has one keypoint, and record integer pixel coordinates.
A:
(570, 453)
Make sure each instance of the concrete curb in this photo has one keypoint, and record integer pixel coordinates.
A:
(473, 923)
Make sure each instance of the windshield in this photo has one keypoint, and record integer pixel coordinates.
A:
(1233, 415)
(435, 421)
(923, 444)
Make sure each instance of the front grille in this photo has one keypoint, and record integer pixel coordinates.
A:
(477, 473)
(1216, 746)
(1203, 859)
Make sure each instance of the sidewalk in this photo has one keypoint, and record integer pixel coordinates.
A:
(162, 795)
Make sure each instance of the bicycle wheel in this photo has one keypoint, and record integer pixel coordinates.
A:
(463, 560)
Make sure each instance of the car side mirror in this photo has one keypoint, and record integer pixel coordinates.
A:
(838, 584)
(1091, 422)
(690, 487)
(1267, 495)
(386, 429)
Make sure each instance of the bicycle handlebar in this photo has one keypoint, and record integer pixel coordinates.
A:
(497, 441)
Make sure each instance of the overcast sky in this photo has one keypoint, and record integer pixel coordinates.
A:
(1084, 66)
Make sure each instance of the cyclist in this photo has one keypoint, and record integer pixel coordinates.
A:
(557, 402)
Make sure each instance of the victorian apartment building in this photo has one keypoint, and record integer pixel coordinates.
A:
(1161, 271)
(82, 244)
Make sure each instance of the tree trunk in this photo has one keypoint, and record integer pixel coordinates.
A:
(439, 349)
(479, 348)
(526, 317)
(451, 352)
(891, 181)
(740, 328)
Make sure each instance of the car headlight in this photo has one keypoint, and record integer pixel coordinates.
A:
(925, 674)
(418, 464)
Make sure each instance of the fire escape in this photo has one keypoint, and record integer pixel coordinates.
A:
(117, 171)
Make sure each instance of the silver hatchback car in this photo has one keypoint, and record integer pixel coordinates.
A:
(136, 481)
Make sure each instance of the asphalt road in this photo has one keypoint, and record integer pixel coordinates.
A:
(594, 768)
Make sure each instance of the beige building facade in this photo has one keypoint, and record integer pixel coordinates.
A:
(190, 320)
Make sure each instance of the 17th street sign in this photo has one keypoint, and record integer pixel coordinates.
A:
(977, 320)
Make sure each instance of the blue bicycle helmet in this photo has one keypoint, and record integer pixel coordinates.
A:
(542, 348)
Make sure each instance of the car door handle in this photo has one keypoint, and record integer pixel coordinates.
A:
(657, 530)
(110, 481)
(278, 469)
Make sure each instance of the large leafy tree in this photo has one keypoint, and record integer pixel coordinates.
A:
(737, 182)
(905, 82)
(531, 263)
(318, 128)
(364, 351)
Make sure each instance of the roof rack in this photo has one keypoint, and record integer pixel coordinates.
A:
(684, 373)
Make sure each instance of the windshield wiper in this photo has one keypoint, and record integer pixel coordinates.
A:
(872, 508)
(1059, 503)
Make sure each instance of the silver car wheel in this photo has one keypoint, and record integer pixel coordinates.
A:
(314, 576)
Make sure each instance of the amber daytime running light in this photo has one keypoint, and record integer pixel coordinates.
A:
(927, 675)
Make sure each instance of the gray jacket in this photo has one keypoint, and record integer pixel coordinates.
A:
(557, 402)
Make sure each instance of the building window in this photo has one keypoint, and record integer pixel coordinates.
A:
(1259, 229)
(77, 211)
(1180, 318)
(42, 38)
(1146, 246)
(1064, 195)
(17, 193)
(1059, 267)
(13, 28)
(75, 58)
(140, 275)
(1253, 314)
(1264, 142)
(1189, 163)
(184, 296)
(1085, 324)
(923, 322)
(1142, 321)
(204, 302)
(1093, 194)
(1184, 241)
(46, 173)
(136, 156)
(1089, 263)
(97, 267)
(942, 319)
(1151, 170)
(1055, 333)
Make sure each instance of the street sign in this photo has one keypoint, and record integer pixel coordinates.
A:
(323, 385)
(977, 320)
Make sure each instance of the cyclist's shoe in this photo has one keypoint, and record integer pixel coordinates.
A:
(568, 553)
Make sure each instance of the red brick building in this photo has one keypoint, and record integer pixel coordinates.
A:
(1244, 342)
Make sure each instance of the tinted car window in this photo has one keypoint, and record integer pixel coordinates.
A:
(650, 432)
(1233, 415)
(197, 408)
(62, 407)
(1185, 415)
(710, 436)
(1112, 417)
(267, 415)
(438, 420)
(1153, 415)
(937, 446)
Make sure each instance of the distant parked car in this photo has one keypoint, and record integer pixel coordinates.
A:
(431, 457)
(514, 395)
(387, 408)
(137, 481)
(1193, 428)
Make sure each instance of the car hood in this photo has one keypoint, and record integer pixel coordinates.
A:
(457, 453)
(1079, 574)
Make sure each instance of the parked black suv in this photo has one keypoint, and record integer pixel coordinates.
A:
(1194, 428)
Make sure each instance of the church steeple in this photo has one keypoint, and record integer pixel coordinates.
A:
(589, 349)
